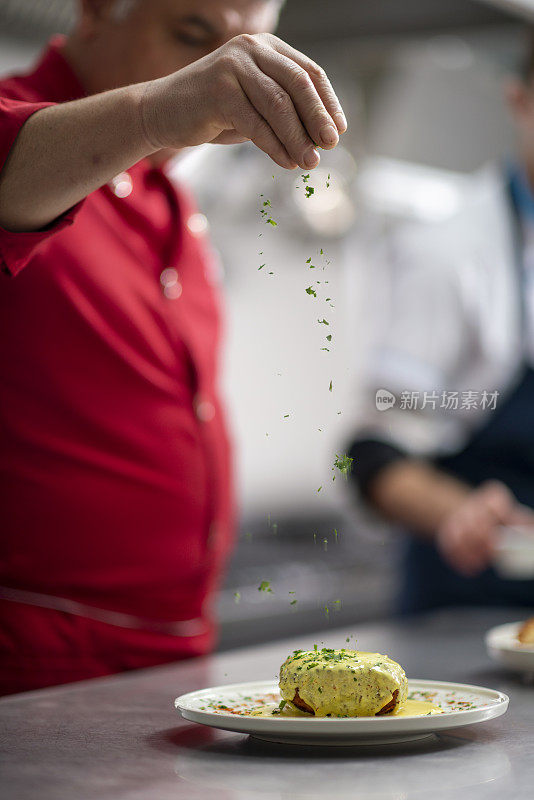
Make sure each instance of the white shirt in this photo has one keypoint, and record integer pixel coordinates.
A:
(447, 297)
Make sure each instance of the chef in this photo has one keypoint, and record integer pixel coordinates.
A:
(116, 506)
(445, 447)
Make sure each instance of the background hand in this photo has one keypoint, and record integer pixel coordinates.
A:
(466, 538)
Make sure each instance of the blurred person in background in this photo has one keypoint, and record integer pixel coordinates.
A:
(116, 510)
(453, 459)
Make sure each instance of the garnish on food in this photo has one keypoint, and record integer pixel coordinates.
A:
(347, 683)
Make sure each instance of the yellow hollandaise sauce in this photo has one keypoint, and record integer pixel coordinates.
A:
(411, 708)
(344, 683)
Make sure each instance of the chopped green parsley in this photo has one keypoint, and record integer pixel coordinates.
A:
(343, 464)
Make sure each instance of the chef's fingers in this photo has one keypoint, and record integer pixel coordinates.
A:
(248, 123)
(498, 499)
(275, 105)
(479, 534)
(297, 85)
(319, 79)
(466, 544)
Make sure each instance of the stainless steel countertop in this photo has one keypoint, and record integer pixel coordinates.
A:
(120, 737)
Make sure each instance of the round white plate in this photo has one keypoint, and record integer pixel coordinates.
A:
(504, 648)
(223, 707)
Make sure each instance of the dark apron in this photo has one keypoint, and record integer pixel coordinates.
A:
(502, 450)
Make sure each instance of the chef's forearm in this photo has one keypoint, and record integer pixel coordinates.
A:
(65, 152)
(416, 494)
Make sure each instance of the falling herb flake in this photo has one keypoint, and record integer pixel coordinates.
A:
(311, 290)
(343, 464)
(286, 416)
(319, 489)
(323, 322)
(265, 213)
(309, 191)
(328, 181)
(265, 586)
(237, 597)
(305, 178)
(330, 387)
(325, 348)
(261, 267)
(329, 337)
(293, 603)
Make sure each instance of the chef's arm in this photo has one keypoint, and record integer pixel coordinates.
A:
(254, 88)
(462, 521)
(64, 152)
(415, 494)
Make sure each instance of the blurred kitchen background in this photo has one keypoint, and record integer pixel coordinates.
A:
(421, 81)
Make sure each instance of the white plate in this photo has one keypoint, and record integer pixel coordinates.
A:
(462, 704)
(504, 648)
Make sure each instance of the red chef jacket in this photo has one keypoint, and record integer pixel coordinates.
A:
(115, 479)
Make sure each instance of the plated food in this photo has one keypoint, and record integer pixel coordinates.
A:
(329, 696)
(342, 683)
(512, 645)
(525, 634)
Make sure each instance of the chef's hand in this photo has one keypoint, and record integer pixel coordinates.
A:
(254, 87)
(466, 538)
